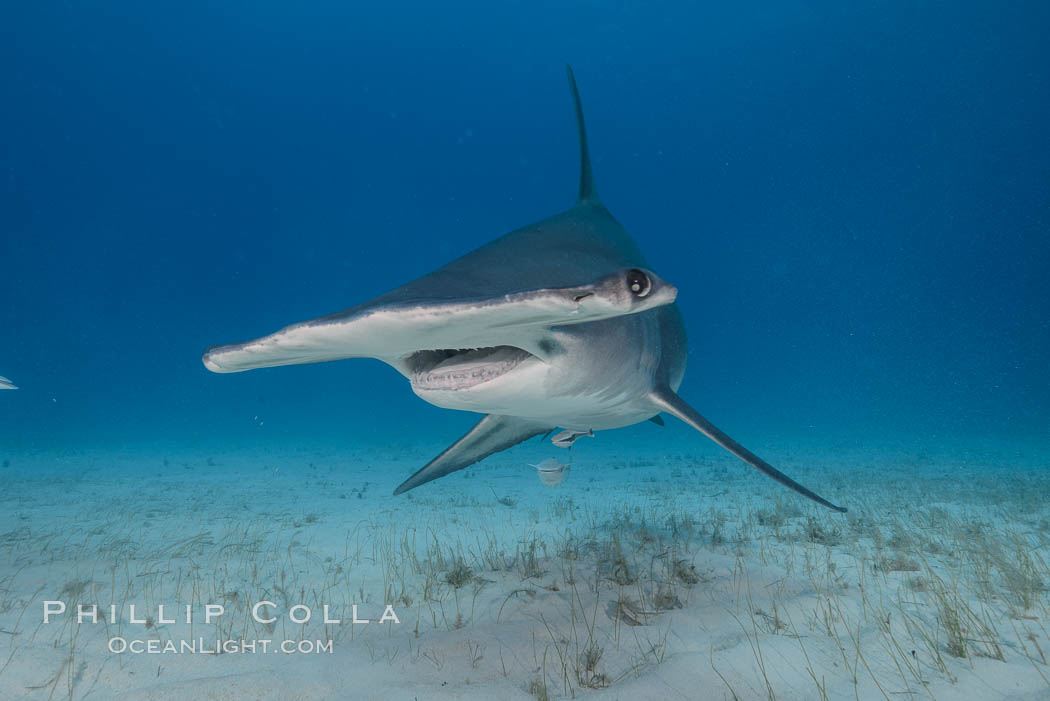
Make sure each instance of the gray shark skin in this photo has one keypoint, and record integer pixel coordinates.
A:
(560, 324)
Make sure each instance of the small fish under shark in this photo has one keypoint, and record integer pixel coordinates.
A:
(551, 471)
(561, 324)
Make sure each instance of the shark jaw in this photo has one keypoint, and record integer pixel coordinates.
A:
(450, 369)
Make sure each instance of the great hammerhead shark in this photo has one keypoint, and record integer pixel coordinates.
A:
(560, 324)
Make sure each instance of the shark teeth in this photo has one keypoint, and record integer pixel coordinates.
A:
(463, 369)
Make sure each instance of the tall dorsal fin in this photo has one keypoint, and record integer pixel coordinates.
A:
(587, 191)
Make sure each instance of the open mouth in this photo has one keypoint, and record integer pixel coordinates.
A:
(452, 369)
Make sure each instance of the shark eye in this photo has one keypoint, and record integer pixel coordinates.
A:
(638, 283)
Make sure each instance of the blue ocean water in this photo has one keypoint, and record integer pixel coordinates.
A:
(852, 200)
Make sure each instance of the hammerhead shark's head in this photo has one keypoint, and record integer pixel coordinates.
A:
(560, 324)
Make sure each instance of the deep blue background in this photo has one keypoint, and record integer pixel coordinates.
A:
(852, 198)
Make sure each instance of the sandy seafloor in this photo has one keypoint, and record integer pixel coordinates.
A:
(655, 571)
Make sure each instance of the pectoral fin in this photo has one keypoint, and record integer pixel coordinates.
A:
(669, 402)
(491, 435)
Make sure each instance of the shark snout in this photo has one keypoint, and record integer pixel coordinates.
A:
(670, 293)
(656, 291)
(625, 292)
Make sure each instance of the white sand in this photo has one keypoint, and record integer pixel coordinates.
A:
(689, 578)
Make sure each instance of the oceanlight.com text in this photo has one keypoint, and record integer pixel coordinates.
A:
(119, 645)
